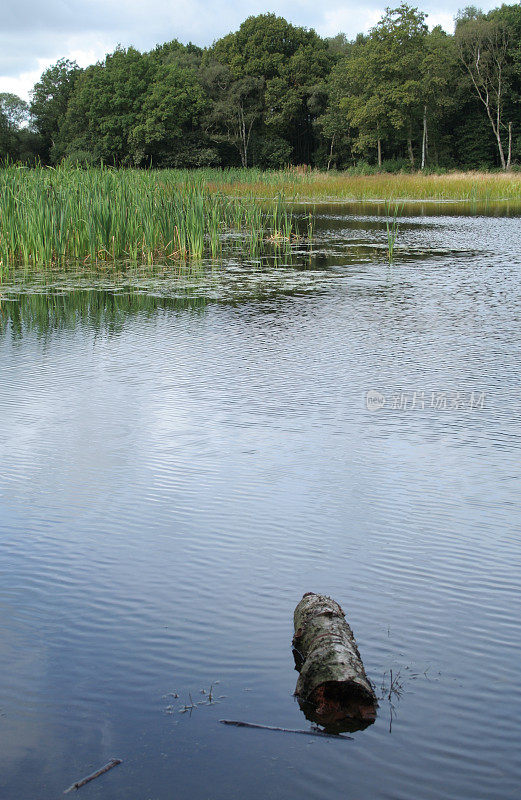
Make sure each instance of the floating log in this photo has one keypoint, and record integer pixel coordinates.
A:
(112, 763)
(332, 678)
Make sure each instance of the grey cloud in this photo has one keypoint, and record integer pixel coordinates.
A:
(33, 31)
(21, 53)
(59, 16)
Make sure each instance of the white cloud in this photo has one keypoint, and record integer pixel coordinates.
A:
(342, 20)
(74, 48)
(445, 20)
(21, 84)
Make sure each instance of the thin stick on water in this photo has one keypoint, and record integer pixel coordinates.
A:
(112, 763)
(316, 732)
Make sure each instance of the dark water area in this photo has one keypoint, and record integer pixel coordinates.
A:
(183, 456)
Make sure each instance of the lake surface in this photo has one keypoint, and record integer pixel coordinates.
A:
(182, 457)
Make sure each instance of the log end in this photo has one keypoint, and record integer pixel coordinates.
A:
(339, 706)
(332, 718)
(335, 701)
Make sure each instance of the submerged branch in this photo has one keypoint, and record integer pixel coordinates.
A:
(112, 763)
(315, 732)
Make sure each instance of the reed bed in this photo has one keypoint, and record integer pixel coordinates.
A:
(304, 184)
(98, 217)
(316, 186)
(102, 216)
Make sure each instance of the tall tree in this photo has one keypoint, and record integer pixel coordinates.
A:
(49, 102)
(378, 87)
(356, 102)
(439, 82)
(482, 46)
(13, 113)
(287, 63)
(170, 114)
(107, 105)
(14, 108)
(236, 107)
(399, 49)
(6, 138)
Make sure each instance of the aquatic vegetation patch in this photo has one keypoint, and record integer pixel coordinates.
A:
(100, 217)
(316, 185)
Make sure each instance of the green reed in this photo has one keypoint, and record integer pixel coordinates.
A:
(56, 217)
(311, 218)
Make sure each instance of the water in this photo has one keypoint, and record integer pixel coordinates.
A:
(182, 458)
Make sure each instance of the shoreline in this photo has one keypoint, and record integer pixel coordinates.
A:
(335, 200)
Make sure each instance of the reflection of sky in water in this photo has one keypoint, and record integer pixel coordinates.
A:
(172, 479)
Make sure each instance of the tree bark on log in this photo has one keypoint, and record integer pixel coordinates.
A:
(332, 677)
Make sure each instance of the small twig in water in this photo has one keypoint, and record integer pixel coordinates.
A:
(208, 693)
(315, 732)
(394, 688)
(187, 707)
(112, 763)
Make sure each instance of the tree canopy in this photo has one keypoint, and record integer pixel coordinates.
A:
(273, 93)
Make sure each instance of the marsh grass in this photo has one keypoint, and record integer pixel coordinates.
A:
(316, 186)
(101, 218)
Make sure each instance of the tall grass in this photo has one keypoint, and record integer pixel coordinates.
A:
(104, 216)
(314, 185)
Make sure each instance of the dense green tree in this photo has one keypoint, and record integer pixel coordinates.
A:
(288, 64)
(473, 145)
(17, 141)
(141, 109)
(170, 114)
(107, 106)
(357, 107)
(49, 104)
(14, 108)
(6, 138)
(378, 88)
(397, 45)
(272, 93)
(438, 89)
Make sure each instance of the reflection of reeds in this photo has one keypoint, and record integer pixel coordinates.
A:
(392, 685)
(107, 311)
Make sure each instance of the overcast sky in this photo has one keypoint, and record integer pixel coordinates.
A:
(34, 34)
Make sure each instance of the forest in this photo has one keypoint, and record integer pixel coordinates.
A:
(272, 94)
